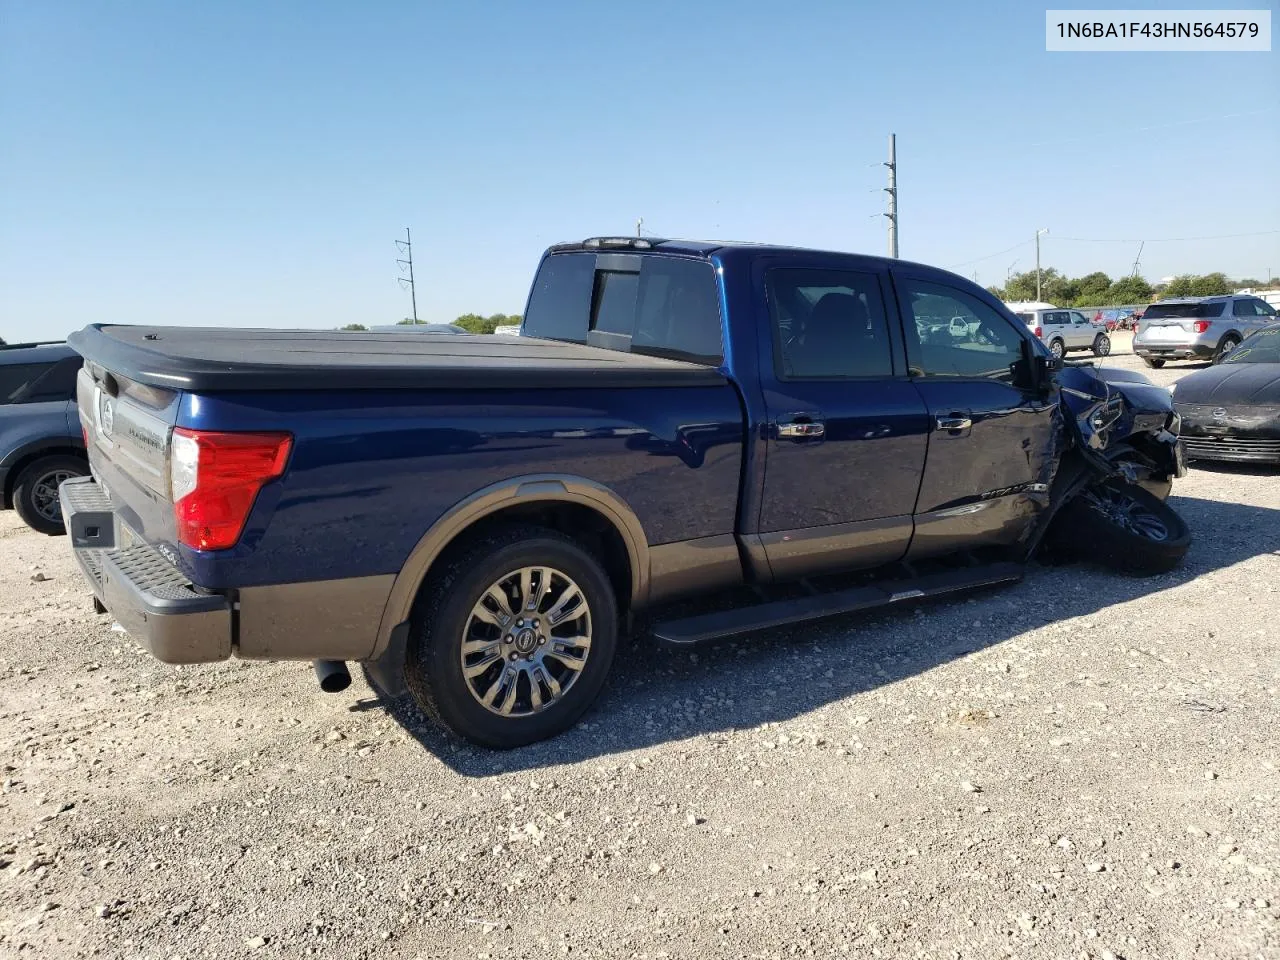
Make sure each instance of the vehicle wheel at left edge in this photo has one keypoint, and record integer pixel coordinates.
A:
(35, 492)
(515, 637)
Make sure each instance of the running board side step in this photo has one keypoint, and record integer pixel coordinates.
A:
(780, 613)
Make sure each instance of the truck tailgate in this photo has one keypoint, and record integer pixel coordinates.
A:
(127, 427)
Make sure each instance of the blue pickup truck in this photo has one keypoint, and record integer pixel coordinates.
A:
(479, 519)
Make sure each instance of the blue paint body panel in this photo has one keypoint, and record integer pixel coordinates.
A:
(370, 474)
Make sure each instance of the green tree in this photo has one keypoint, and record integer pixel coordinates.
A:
(406, 322)
(1129, 290)
(354, 326)
(1210, 285)
(474, 323)
(1247, 283)
(1092, 290)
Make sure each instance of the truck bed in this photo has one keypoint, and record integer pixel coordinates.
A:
(215, 360)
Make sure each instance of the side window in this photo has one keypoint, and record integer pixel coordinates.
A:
(30, 382)
(560, 302)
(828, 324)
(953, 334)
(678, 314)
(57, 383)
(1264, 309)
(1079, 318)
(1243, 308)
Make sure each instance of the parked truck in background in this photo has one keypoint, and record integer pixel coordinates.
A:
(479, 519)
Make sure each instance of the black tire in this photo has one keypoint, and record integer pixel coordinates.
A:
(1058, 348)
(1101, 345)
(1125, 527)
(31, 491)
(434, 665)
(1229, 343)
(1155, 363)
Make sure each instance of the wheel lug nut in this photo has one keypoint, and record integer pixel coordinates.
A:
(513, 656)
(542, 640)
(508, 639)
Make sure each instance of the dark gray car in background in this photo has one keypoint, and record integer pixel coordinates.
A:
(40, 440)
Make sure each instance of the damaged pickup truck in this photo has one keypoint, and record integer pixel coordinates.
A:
(479, 519)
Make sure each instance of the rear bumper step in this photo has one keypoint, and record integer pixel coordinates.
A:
(779, 613)
(140, 587)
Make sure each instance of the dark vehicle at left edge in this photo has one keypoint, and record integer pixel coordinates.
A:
(1231, 410)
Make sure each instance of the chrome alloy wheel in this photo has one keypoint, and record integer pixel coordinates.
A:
(526, 641)
(1126, 512)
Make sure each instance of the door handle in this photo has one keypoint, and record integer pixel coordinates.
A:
(801, 430)
(954, 423)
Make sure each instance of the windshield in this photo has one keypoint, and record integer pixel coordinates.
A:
(1260, 347)
(1182, 310)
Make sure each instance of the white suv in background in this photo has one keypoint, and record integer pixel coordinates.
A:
(1066, 330)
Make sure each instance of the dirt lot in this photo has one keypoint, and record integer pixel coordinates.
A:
(1079, 766)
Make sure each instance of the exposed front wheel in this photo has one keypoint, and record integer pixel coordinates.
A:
(515, 639)
(1124, 527)
(35, 492)
(1155, 363)
(1101, 345)
(1058, 349)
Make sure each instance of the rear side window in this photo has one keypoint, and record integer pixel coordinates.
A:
(661, 306)
(678, 314)
(1252, 308)
(560, 302)
(38, 382)
(1182, 311)
(828, 324)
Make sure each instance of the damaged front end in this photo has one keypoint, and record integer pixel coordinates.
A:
(1121, 457)
(1122, 423)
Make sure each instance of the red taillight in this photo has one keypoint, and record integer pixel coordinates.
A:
(215, 477)
(1202, 325)
(1039, 331)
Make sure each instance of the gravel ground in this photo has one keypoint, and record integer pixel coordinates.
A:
(1081, 765)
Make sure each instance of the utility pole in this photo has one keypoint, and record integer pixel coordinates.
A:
(1137, 261)
(892, 190)
(406, 245)
(1008, 274)
(639, 224)
(1038, 232)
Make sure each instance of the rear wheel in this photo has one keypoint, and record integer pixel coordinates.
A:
(1155, 363)
(1058, 348)
(1124, 527)
(1229, 343)
(35, 492)
(1101, 345)
(516, 638)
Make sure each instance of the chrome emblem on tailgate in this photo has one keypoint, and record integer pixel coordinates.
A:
(108, 417)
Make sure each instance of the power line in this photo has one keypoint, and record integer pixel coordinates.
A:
(1220, 236)
(407, 246)
(990, 255)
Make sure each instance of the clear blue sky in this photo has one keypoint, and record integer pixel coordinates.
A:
(247, 163)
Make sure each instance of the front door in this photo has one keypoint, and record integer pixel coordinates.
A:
(1082, 331)
(847, 430)
(992, 444)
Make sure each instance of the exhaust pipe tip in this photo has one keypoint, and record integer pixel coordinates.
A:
(333, 675)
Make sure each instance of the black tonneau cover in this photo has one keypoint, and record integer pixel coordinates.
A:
(214, 360)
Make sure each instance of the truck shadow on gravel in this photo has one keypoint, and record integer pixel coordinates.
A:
(659, 694)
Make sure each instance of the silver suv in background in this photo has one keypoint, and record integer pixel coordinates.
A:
(40, 439)
(1066, 330)
(1202, 328)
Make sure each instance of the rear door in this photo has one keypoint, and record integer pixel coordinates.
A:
(1082, 331)
(1057, 326)
(847, 431)
(991, 443)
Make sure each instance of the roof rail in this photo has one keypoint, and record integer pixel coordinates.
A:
(34, 343)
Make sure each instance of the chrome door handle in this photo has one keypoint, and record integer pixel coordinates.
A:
(801, 431)
(954, 423)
